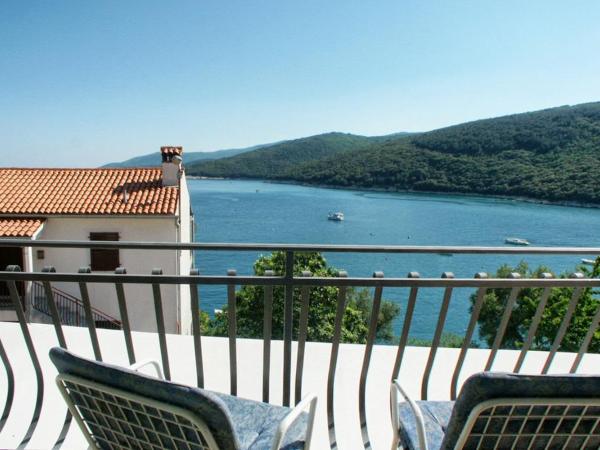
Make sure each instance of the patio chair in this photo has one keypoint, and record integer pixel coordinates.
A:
(121, 408)
(503, 411)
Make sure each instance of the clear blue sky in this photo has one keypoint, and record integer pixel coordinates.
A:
(83, 83)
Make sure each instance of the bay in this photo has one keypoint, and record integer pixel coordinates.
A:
(255, 211)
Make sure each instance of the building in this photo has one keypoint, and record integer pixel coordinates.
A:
(125, 204)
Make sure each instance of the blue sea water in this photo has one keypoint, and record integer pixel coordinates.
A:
(254, 211)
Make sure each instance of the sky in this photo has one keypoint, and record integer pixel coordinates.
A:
(86, 83)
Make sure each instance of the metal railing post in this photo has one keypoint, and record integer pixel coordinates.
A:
(160, 324)
(437, 336)
(87, 307)
(302, 336)
(508, 309)
(232, 333)
(124, 316)
(288, 325)
(196, 333)
(335, 348)
(362, 389)
(468, 335)
(267, 335)
(410, 308)
(17, 305)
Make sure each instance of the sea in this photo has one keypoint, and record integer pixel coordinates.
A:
(263, 212)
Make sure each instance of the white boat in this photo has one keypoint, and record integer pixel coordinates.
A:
(588, 262)
(337, 216)
(516, 241)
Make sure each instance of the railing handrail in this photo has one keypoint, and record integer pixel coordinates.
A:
(301, 281)
(226, 246)
(63, 293)
(74, 300)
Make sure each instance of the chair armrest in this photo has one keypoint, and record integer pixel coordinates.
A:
(137, 366)
(310, 402)
(419, 421)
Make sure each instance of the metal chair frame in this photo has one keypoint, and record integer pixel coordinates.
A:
(175, 416)
(507, 409)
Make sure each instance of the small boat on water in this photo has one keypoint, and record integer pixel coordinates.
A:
(588, 262)
(335, 216)
(516, 241)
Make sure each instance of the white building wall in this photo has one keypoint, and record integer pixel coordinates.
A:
(140, 304)
(185, 257)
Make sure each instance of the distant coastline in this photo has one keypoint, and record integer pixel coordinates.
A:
(568, 203)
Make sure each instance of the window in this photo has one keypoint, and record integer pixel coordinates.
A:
(104, 258)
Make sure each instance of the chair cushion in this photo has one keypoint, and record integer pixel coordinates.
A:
(491, 385)
(256, 423)
(436, 416)
(236, 424)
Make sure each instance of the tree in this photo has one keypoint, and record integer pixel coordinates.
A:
(322, 309)
(525, 308)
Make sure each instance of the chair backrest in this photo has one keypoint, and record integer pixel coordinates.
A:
(499, 410)
(113, 418)
(119, 408)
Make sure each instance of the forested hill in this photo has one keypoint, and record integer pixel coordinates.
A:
(153, 159)
(552, 155)
(276, 159)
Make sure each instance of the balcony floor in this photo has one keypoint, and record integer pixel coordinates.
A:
(216, 367)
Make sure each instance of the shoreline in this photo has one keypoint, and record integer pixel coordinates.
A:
(567, 203)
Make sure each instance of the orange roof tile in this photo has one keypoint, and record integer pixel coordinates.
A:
(86, 192)
(19, 227)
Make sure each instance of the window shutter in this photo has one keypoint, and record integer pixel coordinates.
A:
(104, 259)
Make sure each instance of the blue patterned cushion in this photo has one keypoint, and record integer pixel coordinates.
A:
(492, 385)
(236, 424)
(255, 424)
(436, 416)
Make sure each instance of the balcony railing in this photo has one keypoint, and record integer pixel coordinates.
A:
(296, 353)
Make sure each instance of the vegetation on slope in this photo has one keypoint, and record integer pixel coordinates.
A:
(551, 155)
(153, 159)
(280, 158)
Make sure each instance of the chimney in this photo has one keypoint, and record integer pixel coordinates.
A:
(171, 165)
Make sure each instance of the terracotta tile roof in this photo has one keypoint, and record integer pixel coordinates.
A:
(171, 151)
(19, 227)
(86, 192)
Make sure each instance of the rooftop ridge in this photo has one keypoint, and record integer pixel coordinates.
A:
(108, 169)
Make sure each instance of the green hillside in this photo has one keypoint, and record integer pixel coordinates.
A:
(276, 159)
(153, 159)
(552, 155)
